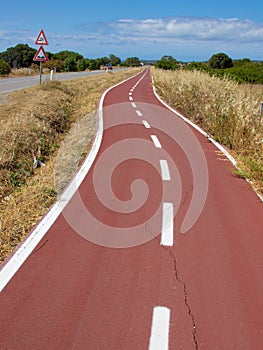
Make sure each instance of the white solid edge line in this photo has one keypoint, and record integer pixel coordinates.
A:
(188, 121)
(20, 255)
(167, 236)
(156, 141)
(165, 170)
(218, 145)
(146, 124)
(159, 339)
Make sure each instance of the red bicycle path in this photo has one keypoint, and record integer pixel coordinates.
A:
(74, 294)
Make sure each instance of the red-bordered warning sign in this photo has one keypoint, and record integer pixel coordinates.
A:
(41, 39)
(40, 55)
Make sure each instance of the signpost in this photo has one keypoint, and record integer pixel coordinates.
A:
(41, 55)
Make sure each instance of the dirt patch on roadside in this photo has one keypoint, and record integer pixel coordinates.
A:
(3, 98)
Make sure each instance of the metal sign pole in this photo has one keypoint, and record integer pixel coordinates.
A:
(40, 78)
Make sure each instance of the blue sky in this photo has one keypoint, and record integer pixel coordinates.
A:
(187, 30)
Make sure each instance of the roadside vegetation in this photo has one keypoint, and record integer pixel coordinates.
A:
(33, 124)
(225, 109)
(18, 61)
(219, 65)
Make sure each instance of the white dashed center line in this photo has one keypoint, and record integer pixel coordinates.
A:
(146, 124)
(165, 170)
(139, 113)
(134, 105)
(167, 237)
(159, 339)
(130, 98)
(156, 141)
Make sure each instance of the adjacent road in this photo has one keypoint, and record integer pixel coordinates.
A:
(11, 84)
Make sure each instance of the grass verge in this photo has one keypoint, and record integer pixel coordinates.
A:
(33, 124)
(229, 112)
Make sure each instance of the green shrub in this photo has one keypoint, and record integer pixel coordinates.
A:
(248, 72)
(70, 64)
(167, 65)
(57, 64)
(81, 65)
(4, 67)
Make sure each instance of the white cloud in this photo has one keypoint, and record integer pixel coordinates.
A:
(190, 28)
(183, 37)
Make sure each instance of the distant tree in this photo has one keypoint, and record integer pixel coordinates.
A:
(132, 62)
(81, 65)
(103, 60)
(168, 58)
(94, 64)
(70, 64)
(167, 63)
(19, 56)
(63, 55)
(5, 69)
(114, 60)
(220, 61)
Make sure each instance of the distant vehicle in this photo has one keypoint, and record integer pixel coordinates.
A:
(108, 66)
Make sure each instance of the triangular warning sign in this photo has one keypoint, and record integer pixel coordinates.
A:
(41, 39)
(40, 55)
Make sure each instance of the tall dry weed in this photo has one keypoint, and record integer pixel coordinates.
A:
(224, 109)
(34, 121)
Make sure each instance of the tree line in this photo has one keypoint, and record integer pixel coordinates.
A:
(221, 65)
(21, 56)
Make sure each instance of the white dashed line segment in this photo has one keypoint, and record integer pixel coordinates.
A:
(165, 170)
(134, 105)
(156, 141)
(167, 237)
(146, 124)
(139, 113)
(130, 98)
(159, 339)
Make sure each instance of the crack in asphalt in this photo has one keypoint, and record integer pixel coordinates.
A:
(177, 276)
(183, 284)
(186, 302)
(183, 200)
(40, 247)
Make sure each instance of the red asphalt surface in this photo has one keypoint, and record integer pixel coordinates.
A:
(72, 293)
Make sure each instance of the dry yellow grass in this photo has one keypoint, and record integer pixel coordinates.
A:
(227, 111)
(35, 121)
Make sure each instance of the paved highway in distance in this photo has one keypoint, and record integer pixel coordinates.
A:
(12, 84)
